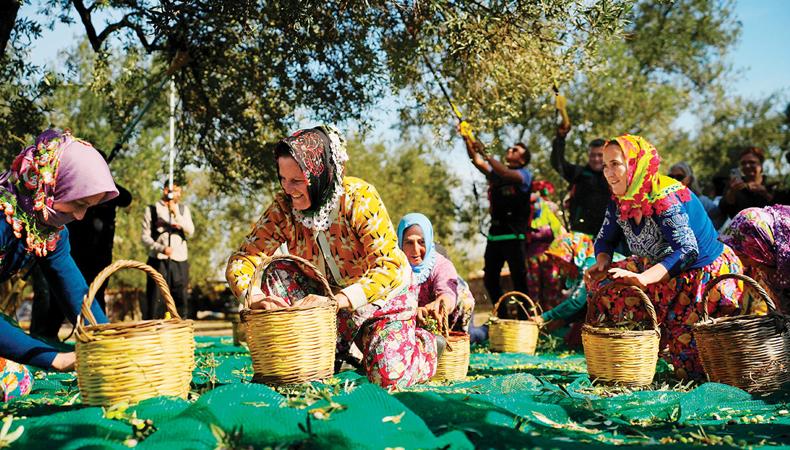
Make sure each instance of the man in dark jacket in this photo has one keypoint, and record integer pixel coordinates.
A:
(589, 193)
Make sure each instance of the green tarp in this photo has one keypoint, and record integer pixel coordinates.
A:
(508, 401)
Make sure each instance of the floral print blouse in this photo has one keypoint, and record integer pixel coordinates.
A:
(361, 238)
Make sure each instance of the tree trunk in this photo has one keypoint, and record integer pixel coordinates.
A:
(8, 13)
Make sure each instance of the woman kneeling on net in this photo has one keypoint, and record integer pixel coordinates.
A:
(441, 290)
(340, 225)
(675, 247)
(49, 184)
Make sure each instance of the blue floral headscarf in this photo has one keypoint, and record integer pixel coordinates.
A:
(423, 270)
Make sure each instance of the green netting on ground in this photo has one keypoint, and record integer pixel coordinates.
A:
(508, 401)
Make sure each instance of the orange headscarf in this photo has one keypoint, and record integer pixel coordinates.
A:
(647, 190)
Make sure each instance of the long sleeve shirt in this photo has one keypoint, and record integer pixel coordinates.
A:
(681, 238)
(590, 191)
(64, 278)
(162, 233)
(362, 243)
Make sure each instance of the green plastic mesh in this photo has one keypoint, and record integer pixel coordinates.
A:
(508, 401)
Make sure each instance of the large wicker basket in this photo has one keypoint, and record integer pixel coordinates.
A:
(511, 335)
(750, 352)
(132, 361)
(625, 357)
(291, 345)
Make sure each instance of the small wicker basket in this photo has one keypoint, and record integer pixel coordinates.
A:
(291, 345)
(454, 363)
(511, 335)
(625, 357)
(750, 352)
(132, 361)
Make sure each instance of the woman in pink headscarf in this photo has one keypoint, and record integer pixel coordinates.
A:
(49, 184)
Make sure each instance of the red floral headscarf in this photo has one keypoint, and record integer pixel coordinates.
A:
(647, 192)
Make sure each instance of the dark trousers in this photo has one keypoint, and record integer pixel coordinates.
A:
(176, 275)
(497, 253)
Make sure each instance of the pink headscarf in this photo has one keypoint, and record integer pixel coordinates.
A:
(57, 169)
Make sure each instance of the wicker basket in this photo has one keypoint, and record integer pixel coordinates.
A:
(133, 361)
(750, 352)
(454, 363)
(291, 345)
(625, 357)
(511, 335)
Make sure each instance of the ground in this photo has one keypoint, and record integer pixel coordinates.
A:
(507, 401)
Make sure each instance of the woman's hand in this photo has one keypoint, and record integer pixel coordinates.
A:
(267, 302)
(596, 272)
(64, 362)
(312, 300)
(632, 278)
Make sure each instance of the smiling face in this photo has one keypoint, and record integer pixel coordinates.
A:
(77, 208)
(293, 182)
(414, 244)
(615, 169)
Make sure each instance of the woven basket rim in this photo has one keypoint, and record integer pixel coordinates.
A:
(599, 331)
(137, 324)
(247, 313)
(618, 287)
(746, 279)
(264, 264)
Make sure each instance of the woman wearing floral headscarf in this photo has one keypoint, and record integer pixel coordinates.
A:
(675, 247)
(49, 184)
(439, 286)
(340, 224)
(543, 277)
(761, 238)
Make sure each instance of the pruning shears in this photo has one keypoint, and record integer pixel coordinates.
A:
(561, 103)
(463, 126)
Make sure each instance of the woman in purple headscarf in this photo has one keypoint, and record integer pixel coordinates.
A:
(49, 184)
(761, 238)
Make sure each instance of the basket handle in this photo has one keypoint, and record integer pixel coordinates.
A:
(536, 309)
(258, 274)
(444, 325)
(746, 279)
(618, 287)
(87, 301)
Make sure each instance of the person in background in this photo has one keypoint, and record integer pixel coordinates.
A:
(684, 173)
(572, 253)
(748, 187)
(49, 184)
(167, 225)
(761, 238)
(440, 287)
(675, 247)
(543, 277)
(509, 194)
(588, 192)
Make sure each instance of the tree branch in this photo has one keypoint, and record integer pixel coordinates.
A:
(10, 10)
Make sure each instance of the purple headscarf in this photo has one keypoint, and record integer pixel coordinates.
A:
(763, 234)
(58, 168)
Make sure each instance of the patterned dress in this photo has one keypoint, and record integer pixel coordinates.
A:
(374, 275)
(15, 380)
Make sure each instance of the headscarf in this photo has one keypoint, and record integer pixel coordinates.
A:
(647, 191)
(321, 154)
(689, 172)
(573, 248)
(763, 234)
(423, 270)
(58, 168)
